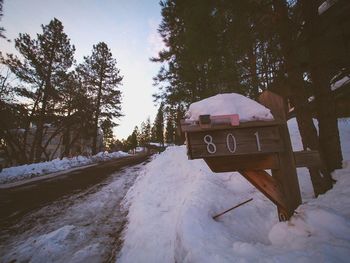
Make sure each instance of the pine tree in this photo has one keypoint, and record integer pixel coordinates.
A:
(153, 132)
(159, 125)
(170, 129)
(45, 62)
(142, 135)
(107, 129)
(102, 79)
(211, 47)
(12, 116)
(1, 14)
(133, 139)
(179, 115)
(75, 110)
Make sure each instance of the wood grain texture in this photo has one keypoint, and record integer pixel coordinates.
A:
(308, 159)
(266, 184)
(236, 163)
(246, 142)
(286, 176)
(275, 103)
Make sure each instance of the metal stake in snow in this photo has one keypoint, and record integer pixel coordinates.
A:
(228, 210)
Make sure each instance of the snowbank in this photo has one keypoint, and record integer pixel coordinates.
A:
(340, 83)
(172, 203)
(17, 173)
(229, 103)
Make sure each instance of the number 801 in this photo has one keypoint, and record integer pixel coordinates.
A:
(231, 143)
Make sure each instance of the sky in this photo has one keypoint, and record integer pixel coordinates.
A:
(129, 27)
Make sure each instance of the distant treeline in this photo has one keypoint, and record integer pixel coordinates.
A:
(163, 131)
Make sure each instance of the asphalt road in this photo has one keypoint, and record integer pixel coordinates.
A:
(17, 201)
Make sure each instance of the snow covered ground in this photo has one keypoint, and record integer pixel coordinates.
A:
(170, 209)
(340, 83)
(82, 227)
(27, 171)
(173, 200)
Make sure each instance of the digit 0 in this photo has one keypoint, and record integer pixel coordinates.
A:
(211, 147)
(231, 143)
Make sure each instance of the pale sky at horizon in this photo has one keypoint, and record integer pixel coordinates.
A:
(129, 27)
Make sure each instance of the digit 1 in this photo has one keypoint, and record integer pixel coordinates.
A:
(257, 141)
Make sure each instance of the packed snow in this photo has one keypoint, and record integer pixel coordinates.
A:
(27, 171)
(172, 203)
(80, 227)
(325, 6)
(229, 103)
(343, 81)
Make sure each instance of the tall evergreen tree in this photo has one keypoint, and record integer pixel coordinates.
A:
(179, 115)
(102, 78)
(75, 111)
(159, 125)
(153, 132)
(170, 129)
(133, 139)
(2, 29)
(45, 61)
(12, 116)
(211, 47)
(145, 133)
(107, 130)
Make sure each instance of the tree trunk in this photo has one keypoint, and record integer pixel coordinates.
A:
(67, 135)
(321, 179)
(253, 72)
(97, 115)
(321, 182)
(327, 121)
(321, 76)
(40, 126)
(29, 155)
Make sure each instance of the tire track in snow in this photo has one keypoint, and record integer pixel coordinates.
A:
(82, 227)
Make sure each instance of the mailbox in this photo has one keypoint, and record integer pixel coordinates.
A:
(251, 148)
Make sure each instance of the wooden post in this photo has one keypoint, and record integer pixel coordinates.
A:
(275, 103)
(287, 177)
(267, 185)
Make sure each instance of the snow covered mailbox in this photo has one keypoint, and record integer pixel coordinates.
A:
(234, 133)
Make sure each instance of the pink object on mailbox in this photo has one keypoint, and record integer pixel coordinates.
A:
(232, 119)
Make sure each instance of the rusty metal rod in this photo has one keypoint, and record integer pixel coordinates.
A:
(228, 210)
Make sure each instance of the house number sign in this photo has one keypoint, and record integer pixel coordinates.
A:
(231, 143)
(235, 141)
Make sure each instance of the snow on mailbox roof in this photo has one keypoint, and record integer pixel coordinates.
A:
(229, 103)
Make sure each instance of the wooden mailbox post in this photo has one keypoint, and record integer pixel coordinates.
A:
(250, 148)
